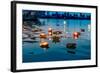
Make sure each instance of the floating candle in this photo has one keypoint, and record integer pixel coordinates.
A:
(42, 35)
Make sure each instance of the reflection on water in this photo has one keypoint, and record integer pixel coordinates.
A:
(61, 45)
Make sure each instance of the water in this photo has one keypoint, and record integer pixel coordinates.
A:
(32, 52)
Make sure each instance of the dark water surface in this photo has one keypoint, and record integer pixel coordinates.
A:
(32, 52)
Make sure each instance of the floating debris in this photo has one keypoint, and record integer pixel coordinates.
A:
(71, 45)
(56, 39)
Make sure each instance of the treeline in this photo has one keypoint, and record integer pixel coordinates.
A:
(32, 15)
